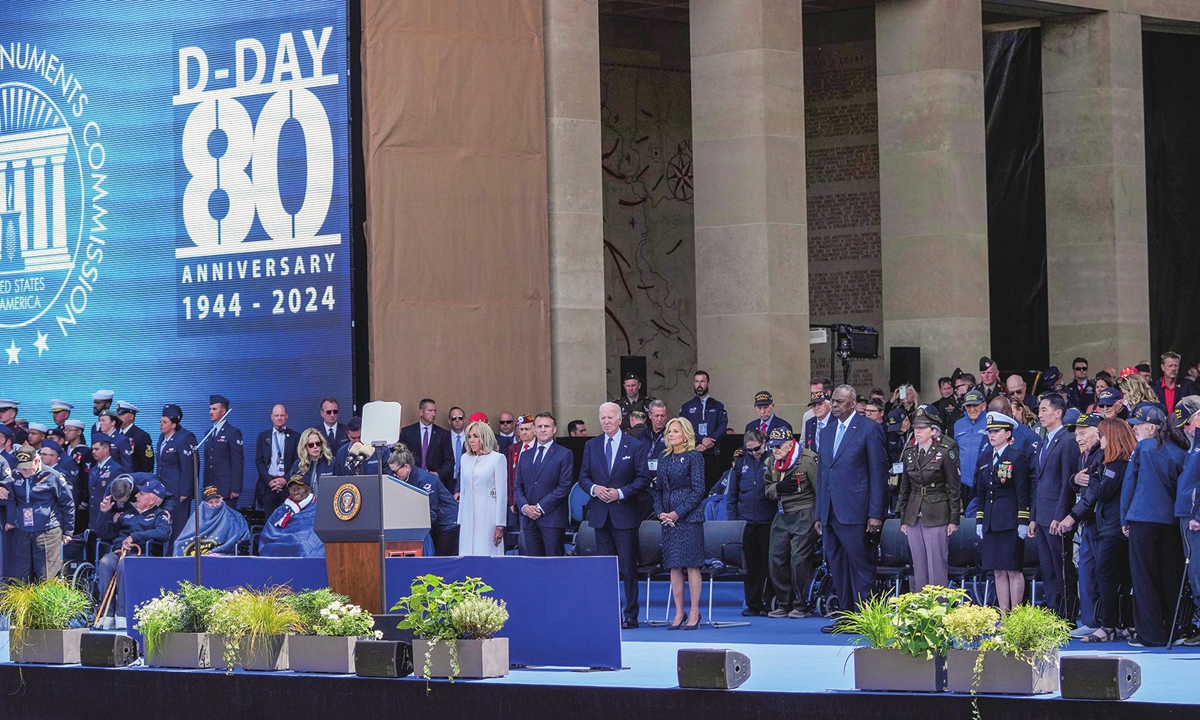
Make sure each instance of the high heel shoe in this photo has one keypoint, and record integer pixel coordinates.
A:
(677, 626)
(692, 627)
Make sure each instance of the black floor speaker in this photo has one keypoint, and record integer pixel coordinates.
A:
(107, 650)
(712, 669)
(382, 658)
(1098, 677)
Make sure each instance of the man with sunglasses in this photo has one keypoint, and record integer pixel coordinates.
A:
(507, 435)
(1081, 392)
(746, 499)
(334, 431)
(458, 437)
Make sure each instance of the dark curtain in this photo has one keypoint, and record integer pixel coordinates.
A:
(1016, 199)
(1171, 68)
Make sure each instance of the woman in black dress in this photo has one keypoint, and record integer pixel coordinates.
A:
(1002, 521)
(677, 499)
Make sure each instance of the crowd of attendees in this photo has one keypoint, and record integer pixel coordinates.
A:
(1098, 473)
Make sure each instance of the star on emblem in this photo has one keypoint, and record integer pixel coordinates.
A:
(41, 342)
(12, 351)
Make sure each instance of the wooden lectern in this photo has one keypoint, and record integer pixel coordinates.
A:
(348, 516)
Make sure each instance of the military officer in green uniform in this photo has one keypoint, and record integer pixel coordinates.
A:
(929, 506)
(632, 399)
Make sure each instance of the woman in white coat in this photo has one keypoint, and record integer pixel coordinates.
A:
(483, 494)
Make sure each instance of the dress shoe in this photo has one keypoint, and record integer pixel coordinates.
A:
(828, 629)
(778, 613)
(629, 624)
(692, 627)
(797, 613)
(750, 612)
(676, 626)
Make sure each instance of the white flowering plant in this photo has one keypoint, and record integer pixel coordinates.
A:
(159, 616)
(338, 619)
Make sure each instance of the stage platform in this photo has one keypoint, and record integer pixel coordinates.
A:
(797, 672)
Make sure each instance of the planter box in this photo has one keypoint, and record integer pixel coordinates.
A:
(1002, 674)
(316, 654)
(892, 670)
(50, 647)
(183, 650)
(476, 658)
(267, 654)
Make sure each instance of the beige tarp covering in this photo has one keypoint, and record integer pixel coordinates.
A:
(454, 132)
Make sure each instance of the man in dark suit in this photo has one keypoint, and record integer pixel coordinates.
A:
(545, 475)
(1169, 388)
(852, 497)
(143, 446)
(615, 475)
(1082, 391)
(224, 456)
(334, 431)
(764, 405)
(1056, 460)
(430, 445)
(816, 424)
(274, 454)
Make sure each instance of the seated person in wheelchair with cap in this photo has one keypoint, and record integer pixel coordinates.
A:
(142, 522)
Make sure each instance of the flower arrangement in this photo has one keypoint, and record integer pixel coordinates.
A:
(479, 618)
(969, 624)
(345, 620)
(911, 623)
(430, 612)
(158, 616)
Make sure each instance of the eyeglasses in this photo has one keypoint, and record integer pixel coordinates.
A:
(1081, 369)
(507, 422)
(330, 412)
(757, 449)
(313, 444)
(459, 418)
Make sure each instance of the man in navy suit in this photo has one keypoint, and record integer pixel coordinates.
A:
(767, 420)
(1056, 460)
(430, 445)
(852, 497)
(816, 424)
(333, 430)
(615, 475)
(274, 455)
(545, 475)
(224, 456)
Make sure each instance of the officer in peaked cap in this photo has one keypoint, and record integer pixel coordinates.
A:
(989, 379)
(100, 477)
(224, 456)
(175, 466)
(632, 398)
(897, 427)
(8, 417)
(929, 505)
(143, 446)
(60, 410)
(1003, 491)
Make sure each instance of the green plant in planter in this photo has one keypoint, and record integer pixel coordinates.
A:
(479, 618)
(1033, 633)
(969, 624)
(253, 615)
(310, 603)
(51, 604)
(915, 619)
(429, 613)
(157, 617)
(197, 602)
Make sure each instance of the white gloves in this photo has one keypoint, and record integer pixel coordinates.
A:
(979, 530)
(1022, 531)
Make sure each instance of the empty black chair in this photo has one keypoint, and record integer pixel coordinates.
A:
(585, 540)
(649, 564)
(895, 557)
(723, 542)
(963, 558)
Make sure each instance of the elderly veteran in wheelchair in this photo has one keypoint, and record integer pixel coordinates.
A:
(130, 530)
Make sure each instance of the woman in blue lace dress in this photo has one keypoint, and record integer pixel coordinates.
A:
(677, 504)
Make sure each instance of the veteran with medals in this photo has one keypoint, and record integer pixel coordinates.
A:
(1002, 521)
(929, 505)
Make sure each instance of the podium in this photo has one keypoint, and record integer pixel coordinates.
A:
(348, 517)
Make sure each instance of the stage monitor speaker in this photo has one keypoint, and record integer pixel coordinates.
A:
(382, 658)
(905, 367)
(635, 364)
(712, 669)
(107, 650)
(1098, 677)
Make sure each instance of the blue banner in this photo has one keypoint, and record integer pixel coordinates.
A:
(175, 219)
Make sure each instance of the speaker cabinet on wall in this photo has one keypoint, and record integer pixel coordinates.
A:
(107, 650)
(382, 658)
(905, 367)
(712, 669)
(1098, 677)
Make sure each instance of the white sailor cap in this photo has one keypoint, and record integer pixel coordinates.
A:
(38, 427)
(102, 395)
(123, 406)
(72, 422)
(56, 405)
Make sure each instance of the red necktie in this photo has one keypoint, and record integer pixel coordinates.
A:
(764, 429)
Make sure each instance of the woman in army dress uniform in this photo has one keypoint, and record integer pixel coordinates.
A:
(929, 506)
(1002, 489)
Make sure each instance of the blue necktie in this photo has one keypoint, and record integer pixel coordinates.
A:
(837, 441)
(537, 461)
(457, 454)
(608, 454)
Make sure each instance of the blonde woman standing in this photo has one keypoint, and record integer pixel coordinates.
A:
(313, 458)
(483, 494)
(677, 505)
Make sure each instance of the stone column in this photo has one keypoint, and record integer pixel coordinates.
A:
(932, 182)
(750, 203)
(1092, 108)
(576, 208)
